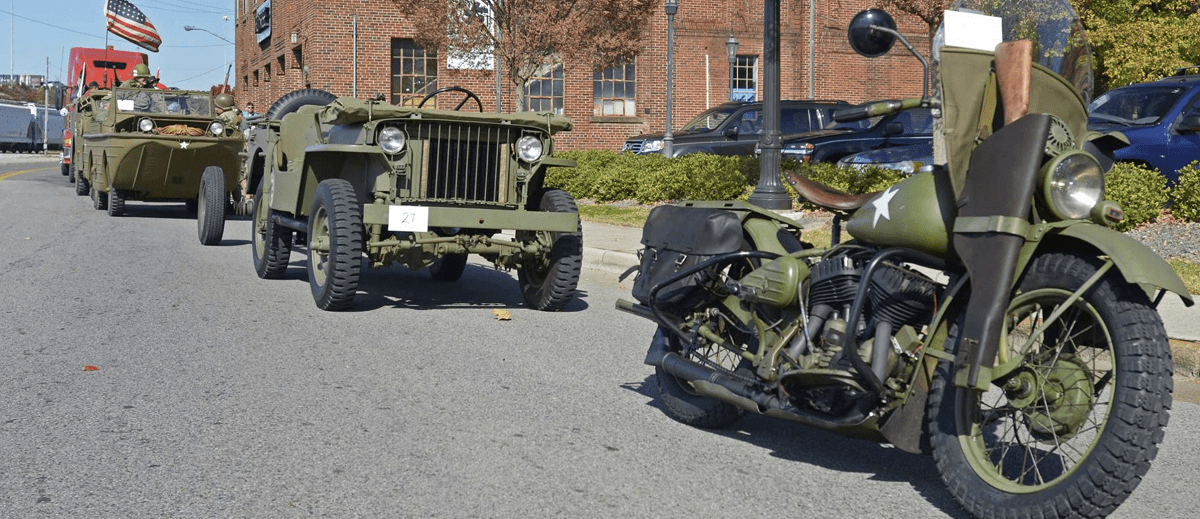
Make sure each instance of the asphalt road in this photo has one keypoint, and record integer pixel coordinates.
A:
(219, 394)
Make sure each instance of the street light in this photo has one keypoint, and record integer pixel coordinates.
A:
(731, 46)
(769, 193)
(671, 7)
(193, 28)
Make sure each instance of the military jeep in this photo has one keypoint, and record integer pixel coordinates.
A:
(157, 145)
(415, 186)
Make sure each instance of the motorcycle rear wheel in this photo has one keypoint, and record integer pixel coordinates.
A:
(680, 400)
(1072, 430)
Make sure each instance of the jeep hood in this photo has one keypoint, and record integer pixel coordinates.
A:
(348, 110)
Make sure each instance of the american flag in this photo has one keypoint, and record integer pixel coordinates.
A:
(126, 21)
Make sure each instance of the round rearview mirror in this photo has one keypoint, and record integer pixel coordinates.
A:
(866, 36)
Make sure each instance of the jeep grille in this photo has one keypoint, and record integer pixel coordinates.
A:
(464, 162)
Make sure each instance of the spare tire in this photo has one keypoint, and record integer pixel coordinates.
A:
(293, 100)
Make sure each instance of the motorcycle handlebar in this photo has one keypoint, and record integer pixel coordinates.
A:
(877, 108)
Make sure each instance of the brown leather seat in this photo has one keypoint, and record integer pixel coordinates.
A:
(825, 196)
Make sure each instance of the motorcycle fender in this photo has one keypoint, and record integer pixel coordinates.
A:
(1137, 262)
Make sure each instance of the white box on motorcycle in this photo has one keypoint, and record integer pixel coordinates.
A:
(676, 238)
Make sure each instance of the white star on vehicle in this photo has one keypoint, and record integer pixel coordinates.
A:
(184, 144)
(882, 205)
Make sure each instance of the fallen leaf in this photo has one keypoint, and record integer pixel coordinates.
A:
(502, 315)
(90, 367)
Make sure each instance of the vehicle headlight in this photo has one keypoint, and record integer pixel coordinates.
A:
(529, 148)
(145, 125)
(391, 139)
(216, 128)
(1072, 185)
(798, 148)
(652, 145)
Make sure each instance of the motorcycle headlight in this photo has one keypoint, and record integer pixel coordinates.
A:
(529, 148)
(216, 128)
(145, 125)
(1072, 185)
(652, 145)
(391, 139)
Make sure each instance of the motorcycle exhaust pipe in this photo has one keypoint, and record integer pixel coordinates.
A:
(713, 384)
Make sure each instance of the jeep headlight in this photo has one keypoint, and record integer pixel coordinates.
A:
(529, 148)
(391, 139)
(145, 125)
(1073, 184)
(216, 128)
(652, 145)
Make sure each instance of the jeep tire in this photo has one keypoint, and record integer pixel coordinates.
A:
(449, 267)
(116, 202)
(550, 285)
(99, 200)
(81, 185)
(270, 244)
(293, 100)
(210, 206)
(335, 244)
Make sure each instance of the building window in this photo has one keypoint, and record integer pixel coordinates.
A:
(414, 72)
(255, 78)
(544, 91)
(743, 78)
(267, 72)
(613, 90)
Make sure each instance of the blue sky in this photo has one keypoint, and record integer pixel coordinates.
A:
(41, 29)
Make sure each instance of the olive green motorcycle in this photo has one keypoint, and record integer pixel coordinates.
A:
(982, 310)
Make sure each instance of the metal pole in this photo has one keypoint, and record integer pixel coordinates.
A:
(354, 61)
(769, 193)
(812, 22)
(668, 137)
(46, 107)
(496, 59)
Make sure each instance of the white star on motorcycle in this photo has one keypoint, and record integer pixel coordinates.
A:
(882, 205)
(183, 144)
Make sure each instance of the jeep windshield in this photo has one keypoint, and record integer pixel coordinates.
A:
(1131, 106)
(165, 102)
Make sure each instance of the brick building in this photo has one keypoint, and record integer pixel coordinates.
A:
(364, 48)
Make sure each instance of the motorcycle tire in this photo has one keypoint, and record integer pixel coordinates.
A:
(682, 403)
(1071, 431)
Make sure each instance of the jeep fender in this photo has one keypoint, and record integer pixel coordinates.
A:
(1136, 262)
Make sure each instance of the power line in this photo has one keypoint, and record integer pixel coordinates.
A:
(51, 25)
(189, 9)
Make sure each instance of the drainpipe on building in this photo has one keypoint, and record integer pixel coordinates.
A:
(812, 17)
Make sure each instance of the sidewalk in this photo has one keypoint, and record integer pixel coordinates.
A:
(614, 249)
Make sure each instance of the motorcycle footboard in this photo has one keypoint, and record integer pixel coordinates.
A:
(988, 235)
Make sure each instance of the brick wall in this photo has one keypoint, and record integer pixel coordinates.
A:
(325, 35)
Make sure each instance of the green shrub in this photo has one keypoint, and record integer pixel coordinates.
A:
(1185, 200)
(1141, 192)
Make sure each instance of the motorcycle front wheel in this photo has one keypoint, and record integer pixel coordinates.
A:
(1072, 428)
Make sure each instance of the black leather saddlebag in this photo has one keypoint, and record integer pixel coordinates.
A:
(676, 238)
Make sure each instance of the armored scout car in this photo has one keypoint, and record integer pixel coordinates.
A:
(422, 187)
(156, 145)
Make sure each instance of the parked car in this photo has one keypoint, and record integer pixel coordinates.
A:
(842, 139)
(732, 128)
(907, 159)
(1161, 119)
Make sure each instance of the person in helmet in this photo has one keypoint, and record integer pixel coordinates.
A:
(227, 111)
(143, 101)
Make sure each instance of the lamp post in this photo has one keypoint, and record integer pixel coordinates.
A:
(769, 193)
(671, 6)
(224, 55)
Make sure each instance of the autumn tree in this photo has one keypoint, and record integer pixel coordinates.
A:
(532, 33)
(1140, 40)
(929, 11)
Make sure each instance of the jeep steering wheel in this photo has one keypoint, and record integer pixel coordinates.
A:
(470, 95)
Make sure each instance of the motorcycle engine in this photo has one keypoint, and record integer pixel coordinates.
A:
(898, 295)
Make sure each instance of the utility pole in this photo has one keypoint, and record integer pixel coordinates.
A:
(46, 114)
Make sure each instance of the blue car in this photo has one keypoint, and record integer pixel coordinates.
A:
(1160, 118)
(906, 159)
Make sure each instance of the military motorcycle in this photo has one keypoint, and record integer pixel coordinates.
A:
(982, 310)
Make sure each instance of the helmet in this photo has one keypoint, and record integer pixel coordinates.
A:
(141, 70)
(224, 101)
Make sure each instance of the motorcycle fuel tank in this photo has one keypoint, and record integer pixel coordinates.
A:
(917, 213)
